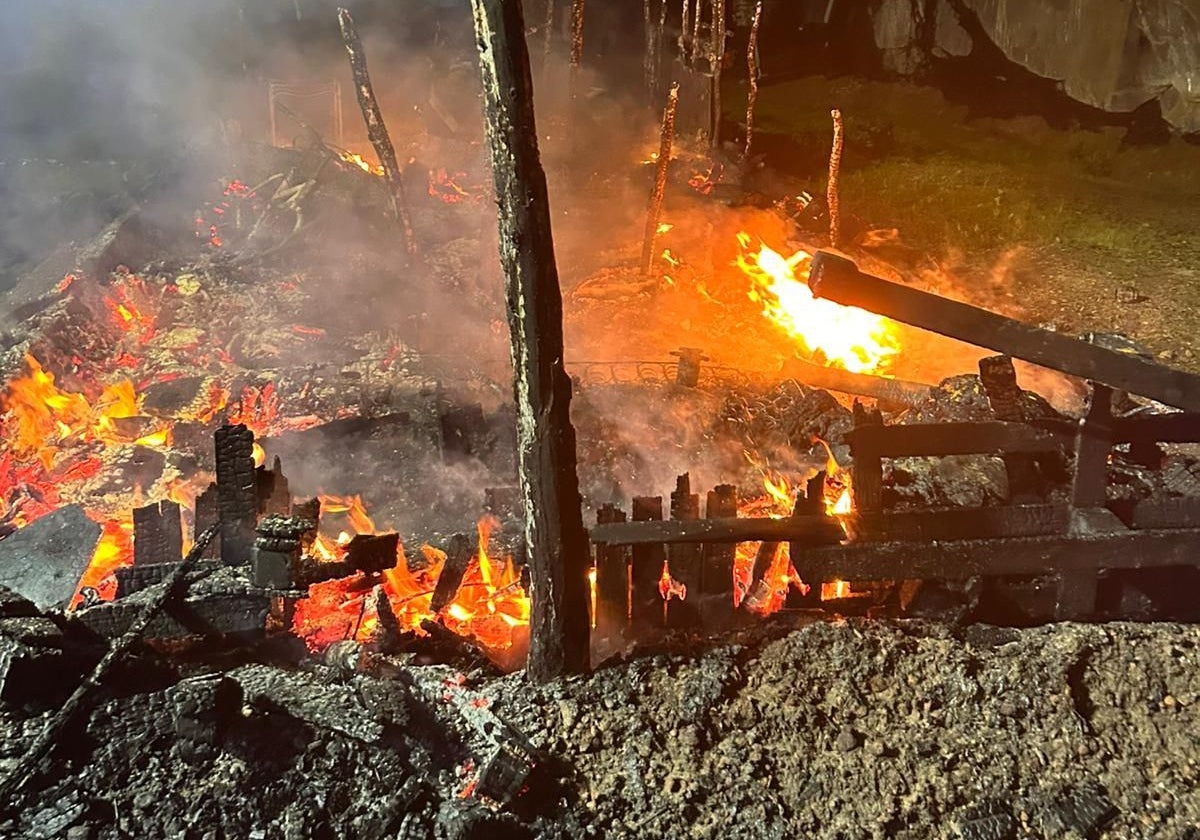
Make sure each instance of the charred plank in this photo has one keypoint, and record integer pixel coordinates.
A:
(840, 280)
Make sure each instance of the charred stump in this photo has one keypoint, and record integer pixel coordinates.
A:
(237, 505)
(556, 541)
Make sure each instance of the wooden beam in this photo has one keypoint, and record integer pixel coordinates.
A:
(716, 575)
(1179, 512)
(997, 437)
(963, 559)
(684, 559)
(839, 279)
(860, 384)
(612, 580)
(646, 603)
(960, 523)
(555, 538)
(1089, 483)
(722, 530)
(1182, 427)
(866, 473)
(377, 131)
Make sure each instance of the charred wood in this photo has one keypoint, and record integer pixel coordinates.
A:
(684, 559)
(867, 471)
(207, 513)
(752, 69)
(377, 131)
(554, 534)
(646, 601)
(716, 575)
(458, 558)
(81, 698)
(720, 531)
(236, 503)
(157, 534)
(840, 280)
(662, 165)
(612, 579)
(1007, 401)
(895, 391)
(271, 490)
(372, 553)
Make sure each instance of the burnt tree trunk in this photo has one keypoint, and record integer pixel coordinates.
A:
(556, 540)
(377, 131)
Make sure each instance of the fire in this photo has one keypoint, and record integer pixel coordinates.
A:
(840, 336)
(115, 549)
(835, 590)
(670, 588)
(444, 185)
(777, 502)
(41, 417)
(843, 505)
(490, 606)
(358, 160)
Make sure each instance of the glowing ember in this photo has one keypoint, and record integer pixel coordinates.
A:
(839, 336)
(670, 588)
(835, 590)
(358, 160)
(490, 605)
(445, 186)
(41, 417)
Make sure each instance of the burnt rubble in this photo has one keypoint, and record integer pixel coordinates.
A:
(986, 732)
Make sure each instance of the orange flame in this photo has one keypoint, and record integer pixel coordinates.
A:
(41, 416)
(114, 550)
(841, 336)
(490, 604)
(358, 160)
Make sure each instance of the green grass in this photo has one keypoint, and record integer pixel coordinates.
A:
(917, 163)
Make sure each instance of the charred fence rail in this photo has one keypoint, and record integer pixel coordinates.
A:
(1075, 541)
(679, 572)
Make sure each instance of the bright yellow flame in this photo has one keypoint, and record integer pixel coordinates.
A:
(357, 159)
(843, 505)
(842, 336)
(260, 455)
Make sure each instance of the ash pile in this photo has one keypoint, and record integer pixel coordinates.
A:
(1066, 731)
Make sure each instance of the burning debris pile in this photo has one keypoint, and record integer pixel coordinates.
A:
(193, 641)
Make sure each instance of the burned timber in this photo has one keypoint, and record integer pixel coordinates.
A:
(288, 549)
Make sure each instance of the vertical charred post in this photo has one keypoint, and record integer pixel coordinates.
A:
(377, 131)
(458, 559)
(576, 44)
(557, 545)
(752, 67)
(654, 211)
(271, 490)
(612, 580)
(717, 59)
(835, 169)
(646, 601)
(684, 560)
(237, 504)
(998, 377)
(866, 473)
(716, 576)
(208, 513)
(157, 534)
